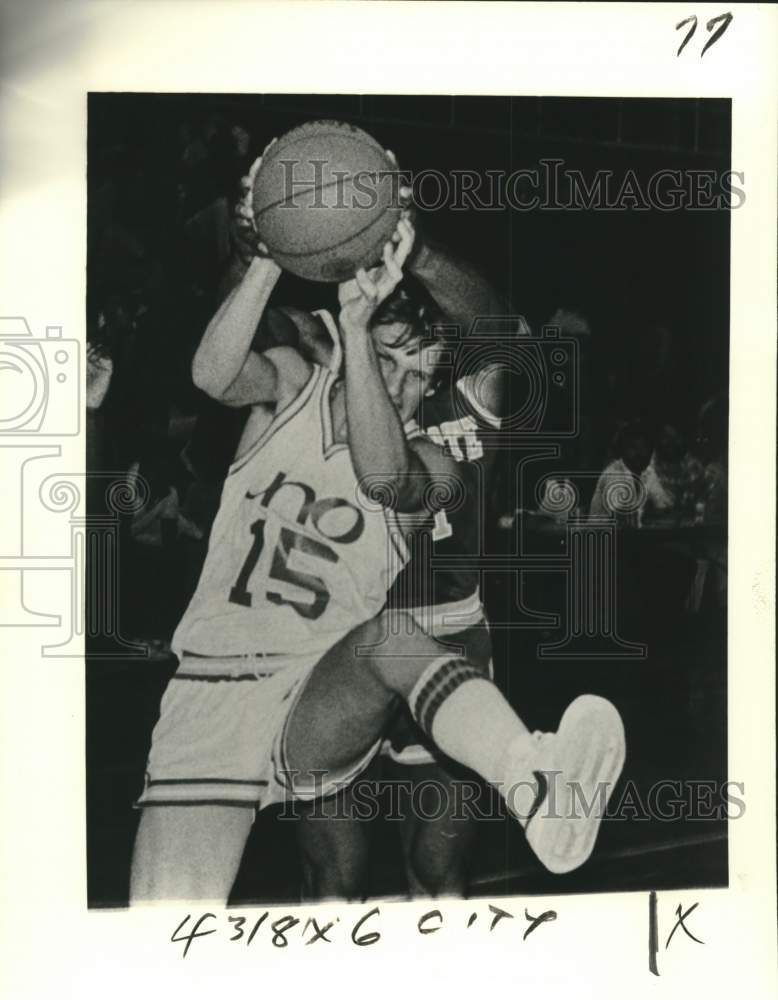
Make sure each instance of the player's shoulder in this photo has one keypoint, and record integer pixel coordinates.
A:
(305, 321)
(293, 371)
(437, 460)
(483, 394)
(296, 314)
(317, 335)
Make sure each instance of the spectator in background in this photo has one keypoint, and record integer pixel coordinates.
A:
(673, 478)
(99, 365)
(99, 440)
(620, 489)
(657, 572)
(715, 495)
(710, 585)
(711, 446)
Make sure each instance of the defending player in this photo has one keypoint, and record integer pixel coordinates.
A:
(447, 604)
(440, 589)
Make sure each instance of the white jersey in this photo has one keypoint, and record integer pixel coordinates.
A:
(298, 556)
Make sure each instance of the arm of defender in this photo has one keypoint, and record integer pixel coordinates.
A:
(428, 465)
(486, 391)
(463, 294)
(460, 291)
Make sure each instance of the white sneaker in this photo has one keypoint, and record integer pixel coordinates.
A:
(576, 769)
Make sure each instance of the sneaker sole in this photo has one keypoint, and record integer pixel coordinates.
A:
(589, 750)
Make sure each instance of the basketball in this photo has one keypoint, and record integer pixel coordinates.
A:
(325, 201)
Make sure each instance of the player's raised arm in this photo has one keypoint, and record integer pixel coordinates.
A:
(283, 326)
(462, 294)
(223, 365)
(460, 291)
(227, 365)
(244, 241)
(396, 470)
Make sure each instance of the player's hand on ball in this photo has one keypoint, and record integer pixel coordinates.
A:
(360, 297)
(244, 231)
(405, 196)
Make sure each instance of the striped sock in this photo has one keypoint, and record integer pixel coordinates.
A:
(466, 716)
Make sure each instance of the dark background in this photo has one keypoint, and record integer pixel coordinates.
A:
(625, 270)
(631, 273)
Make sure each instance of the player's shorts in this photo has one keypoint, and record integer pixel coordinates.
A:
(220, 738)
(405, 742)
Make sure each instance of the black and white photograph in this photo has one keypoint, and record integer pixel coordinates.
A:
(421, 405)
(387, 551)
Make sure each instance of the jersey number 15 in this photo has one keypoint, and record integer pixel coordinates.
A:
(289, 541)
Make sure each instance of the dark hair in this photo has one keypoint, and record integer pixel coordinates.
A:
(411, 304)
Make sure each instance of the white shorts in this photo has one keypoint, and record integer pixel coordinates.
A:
(220, 738)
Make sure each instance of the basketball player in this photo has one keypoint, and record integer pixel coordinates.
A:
(443, 599)
(447, 604)
(269, 694)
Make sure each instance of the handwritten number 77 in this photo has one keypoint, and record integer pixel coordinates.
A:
(723, 21)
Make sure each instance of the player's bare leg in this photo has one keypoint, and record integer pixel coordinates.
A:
(437, 841)
(348, 700)
(437, 827)
(334, 841)
(188, 852)
(353, 691)
(334, 849)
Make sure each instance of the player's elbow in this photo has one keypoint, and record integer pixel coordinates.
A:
(206, 378)
(203, 380)
(410, 500)
(409, 493)
(404, 490)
